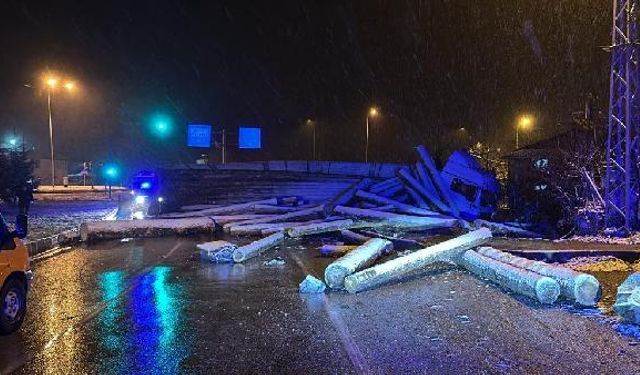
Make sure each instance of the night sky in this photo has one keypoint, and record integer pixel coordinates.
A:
(430, 66)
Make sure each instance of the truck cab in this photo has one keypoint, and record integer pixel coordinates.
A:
(15, 275)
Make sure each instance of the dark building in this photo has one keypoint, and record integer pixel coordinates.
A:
(547, 177)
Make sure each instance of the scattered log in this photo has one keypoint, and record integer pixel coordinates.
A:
(257, 229)
(432, 198)
(93, 231)
(506, 230)
(281, 227)
(437, 179)
(308, 213)
(399, 221)
(402, 207)
(381, 186)
(398, 243)
(223, 210)
(399, 268)
(346, 195)
(255, 248)
(420, 202)
(324, 227)
(425, 180)
(269, 209)
(335, 250)
(391, 191)
(360, 257)
(628, 299)
(353, 237)
(541, 288)
(217, 251)
(198, 207)
(576, 286)
(225, 219)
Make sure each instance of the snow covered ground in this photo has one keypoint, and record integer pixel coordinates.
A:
(47, 218)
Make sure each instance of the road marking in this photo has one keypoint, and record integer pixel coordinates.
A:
(348, 342)
(101, 306)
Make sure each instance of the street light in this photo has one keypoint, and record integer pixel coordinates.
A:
(524, 122)
(52, 83)
(312, 124)
(373, 112)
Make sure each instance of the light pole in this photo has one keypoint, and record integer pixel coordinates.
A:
(312, 124)
(372, 112)
(52, 83)
(524, 122)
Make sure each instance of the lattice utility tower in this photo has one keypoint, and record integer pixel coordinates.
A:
(622, 180)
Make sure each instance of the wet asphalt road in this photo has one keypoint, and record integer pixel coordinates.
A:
(151, 306)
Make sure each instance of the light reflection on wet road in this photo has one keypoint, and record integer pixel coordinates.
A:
(151, 306)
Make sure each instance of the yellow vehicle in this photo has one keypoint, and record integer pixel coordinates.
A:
(15, 275)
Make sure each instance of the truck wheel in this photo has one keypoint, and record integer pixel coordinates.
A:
(13, 306)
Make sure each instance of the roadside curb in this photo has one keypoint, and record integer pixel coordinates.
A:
(68, 237)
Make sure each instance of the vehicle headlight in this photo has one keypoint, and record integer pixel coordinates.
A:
(140, 199)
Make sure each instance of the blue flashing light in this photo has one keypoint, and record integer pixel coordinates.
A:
(13, 142)
(145, 185)
(250, 138)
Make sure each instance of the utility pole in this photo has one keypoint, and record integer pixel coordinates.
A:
(622, 179)
(53, 166)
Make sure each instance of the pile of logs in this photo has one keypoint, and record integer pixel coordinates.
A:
(416, 200)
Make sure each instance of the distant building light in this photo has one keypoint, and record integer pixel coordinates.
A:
(540, 187)
(541, 163)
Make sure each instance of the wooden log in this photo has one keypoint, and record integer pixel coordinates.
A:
(290, 216)
(223, 210)
(346, 195)
(628, 299)
(269, 209)
(225, 219)
(391, 191)
(399, 221)
(257, 229)
(257, 247)
(353, 237)
(281, 227)
(198, 207)
(217, 251)
(399, 268)
(381, 186)
(357, 259)
(506, 230)
(398, 243)
(425, 180)
(541, 288)
(335, 250)
(431, 198)
(438, 181)
(93, 231)
(580, 287)
(402, 207)
(420, 202)
(324, 227)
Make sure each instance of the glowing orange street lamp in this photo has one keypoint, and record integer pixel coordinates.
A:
(524, 122)
(373, 112)
(52, 83)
